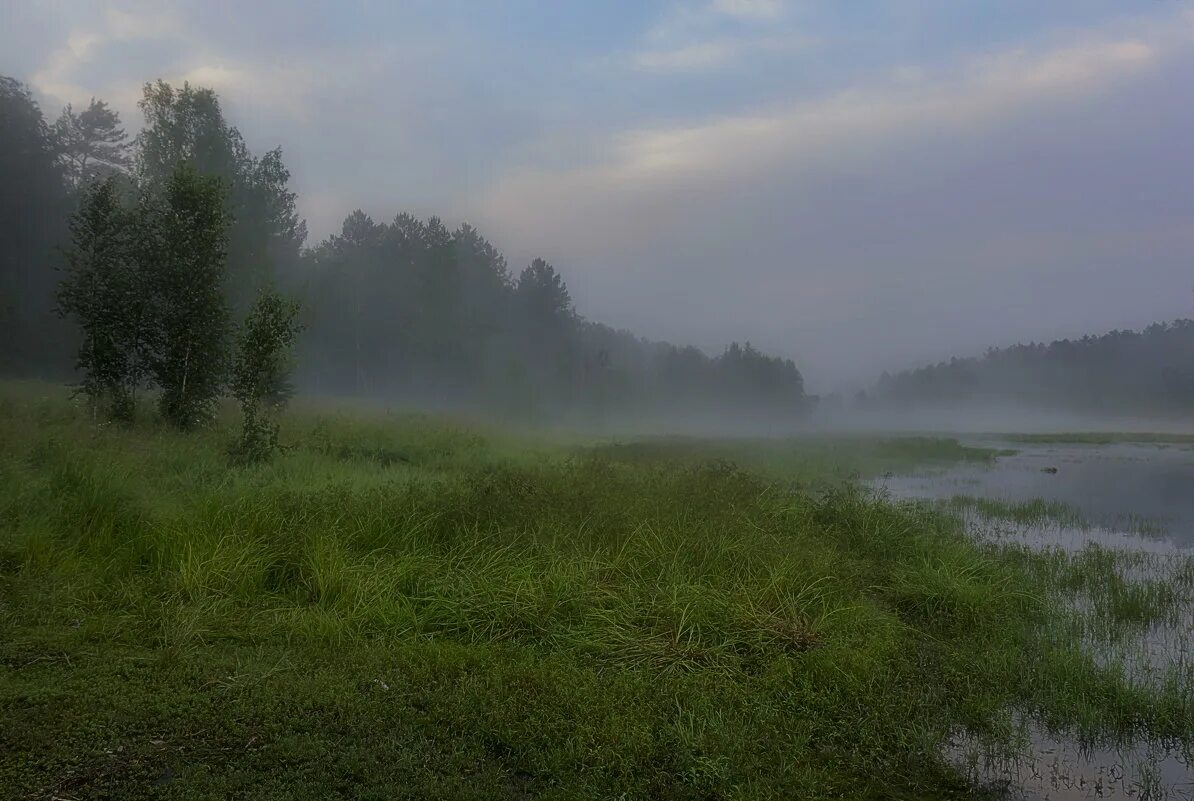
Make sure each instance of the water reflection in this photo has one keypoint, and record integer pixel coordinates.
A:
(1121, 488)
(1136, 501)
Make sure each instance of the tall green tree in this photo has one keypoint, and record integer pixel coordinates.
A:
(183, 241)
(547, 321)
(91, 143)
(187, 126)
(483, 326)
(543, 298)
(33, 224)
(351, 287)
(106, 291)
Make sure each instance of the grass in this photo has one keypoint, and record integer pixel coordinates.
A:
(812, 461)
(1034, 512)
(1120, 590)
(408, 607)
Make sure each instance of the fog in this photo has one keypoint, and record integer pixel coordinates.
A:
(993, 418)
(746, 217)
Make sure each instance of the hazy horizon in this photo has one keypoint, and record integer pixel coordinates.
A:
(858, 189)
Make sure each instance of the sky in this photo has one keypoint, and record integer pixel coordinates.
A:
(858, 185)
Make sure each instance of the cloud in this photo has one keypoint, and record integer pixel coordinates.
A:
(711, 54)
(701, 55)
(63, 73)
(639, 164)
(849, 229)
(284, 89)
(143, 23)
(815, 130)
(84, 66)
(54, 79)
(750, 9)
(702, 178)
(697, 38)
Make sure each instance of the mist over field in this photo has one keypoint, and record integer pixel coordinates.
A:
(849, 199)
(686, 400)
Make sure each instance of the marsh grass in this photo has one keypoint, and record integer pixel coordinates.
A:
(1041, 515)
(811, 461)
(1033, 512)
(403, 607)
(1132, 611)
(1127, 600)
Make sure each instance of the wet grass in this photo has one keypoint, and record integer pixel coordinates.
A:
(1043, 513)
(812, 460)
(1130, 608)
(1118, 591)
(1034, 512)
(408, 607)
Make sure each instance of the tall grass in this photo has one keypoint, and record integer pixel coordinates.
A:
(407, 607)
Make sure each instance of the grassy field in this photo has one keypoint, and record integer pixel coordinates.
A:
(407, 607)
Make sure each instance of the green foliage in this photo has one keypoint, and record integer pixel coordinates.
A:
(406, 309)
(187, 126)
(184, 235)
(411, 309)
(106, 290)
(91, 144)
(1037, 511)
(146, 287)
(261, 369)
(816, 461)
(1145, 372)
(33, 211)
(543, 298)
(409, 607)
(49, 168)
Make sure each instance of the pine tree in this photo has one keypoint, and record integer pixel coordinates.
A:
(34, 209)
(91, 143)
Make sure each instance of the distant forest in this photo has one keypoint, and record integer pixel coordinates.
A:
(1142, 372)
(411, 311)
(406, 310)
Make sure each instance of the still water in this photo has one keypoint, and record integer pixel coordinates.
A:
(1122, 488)
(1124, 496)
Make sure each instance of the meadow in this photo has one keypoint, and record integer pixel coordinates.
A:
(409, 606)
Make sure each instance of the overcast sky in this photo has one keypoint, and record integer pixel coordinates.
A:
(857, 185)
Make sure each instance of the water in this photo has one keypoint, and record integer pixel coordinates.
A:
(1135, 499)
(1122, 489)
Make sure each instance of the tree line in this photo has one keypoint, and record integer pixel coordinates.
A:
(412, 309)
(407, 309)
(1147, 371)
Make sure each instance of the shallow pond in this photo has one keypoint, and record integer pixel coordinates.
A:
(1123, 488)
(1134, 499)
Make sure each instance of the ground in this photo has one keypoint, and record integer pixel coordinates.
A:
(402, 606)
